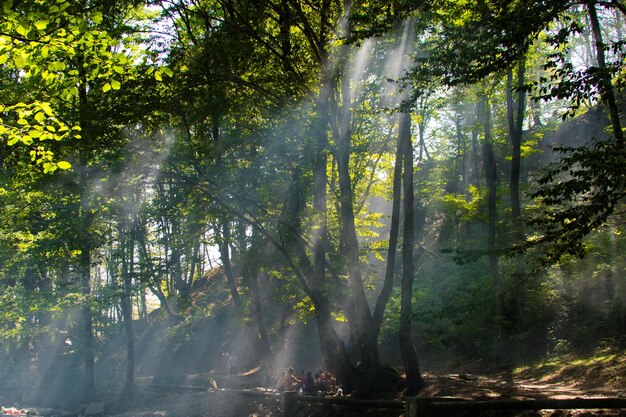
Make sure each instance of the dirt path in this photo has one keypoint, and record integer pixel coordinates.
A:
(479, 387)
(166, 402)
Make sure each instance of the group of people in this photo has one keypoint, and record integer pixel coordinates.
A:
(322, 383)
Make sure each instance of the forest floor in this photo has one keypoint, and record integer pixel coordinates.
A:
(601, 375)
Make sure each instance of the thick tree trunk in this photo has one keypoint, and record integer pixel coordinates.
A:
(362, 324)
(332, 347)
(407, 348)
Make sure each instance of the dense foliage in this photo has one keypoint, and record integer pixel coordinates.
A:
(394, 180)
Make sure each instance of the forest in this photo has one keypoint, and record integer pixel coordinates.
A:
(369, 187)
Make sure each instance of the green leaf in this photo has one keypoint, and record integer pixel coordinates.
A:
(118, 69)
(22, 29)
(96, 18)
(41, 24)
(167, 71)
(48, 167)
(47, 109)
(64, 165)
(115, 84)
(35, 134)
(157, 76)
(106, 87)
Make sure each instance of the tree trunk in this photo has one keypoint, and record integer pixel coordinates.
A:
(223, 245)
(127, 314)
(491, 179)
(385, 292)
(606, 87)
(89, 387)
(362, 324)
(151, 280)
(332, 347)
(476, 157)
(183, 290)
(407, 348)
(84, 236)
(516, 128)
(251, 271)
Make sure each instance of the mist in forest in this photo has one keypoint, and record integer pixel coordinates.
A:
(194, 235)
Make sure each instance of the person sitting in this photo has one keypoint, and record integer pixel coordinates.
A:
(308, 385)
(288, 382)
(320, 383)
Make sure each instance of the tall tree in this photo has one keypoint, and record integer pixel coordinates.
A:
(605, 83)
(407, 348)
(515, 117)
(491, 180)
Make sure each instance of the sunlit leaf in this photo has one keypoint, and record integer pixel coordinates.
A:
(64, 165)
(47, 109)
(41, 24)
(96, 18)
